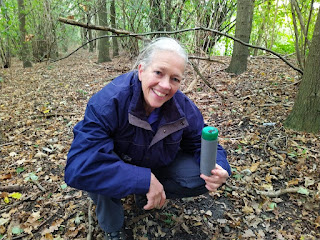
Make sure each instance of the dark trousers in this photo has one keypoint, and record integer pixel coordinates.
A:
(180, 179)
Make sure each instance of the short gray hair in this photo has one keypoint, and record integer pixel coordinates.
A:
(161, 44)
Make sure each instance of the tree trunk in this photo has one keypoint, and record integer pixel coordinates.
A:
(296, 35)
(274, 24)
(240, 52)
(4, 43)
(53, 51)
(156, 20)
(168, 15)
(25, 53)
(261, 31)
(305, 115)
(115, 46)
(103, 44)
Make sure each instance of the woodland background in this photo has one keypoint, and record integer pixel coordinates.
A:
(254, 73)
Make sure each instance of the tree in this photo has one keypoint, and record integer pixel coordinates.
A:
(305, 115)
(240, 53)
(4, 42)
(263, 26)
(301, 35)
(115, 46)
(156, 16)
(25, 53)
(103, 44)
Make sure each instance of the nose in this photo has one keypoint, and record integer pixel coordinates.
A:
(165, 83)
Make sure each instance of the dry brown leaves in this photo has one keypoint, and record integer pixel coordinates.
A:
(272, 194)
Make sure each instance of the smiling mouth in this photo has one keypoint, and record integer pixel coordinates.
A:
(159, 93)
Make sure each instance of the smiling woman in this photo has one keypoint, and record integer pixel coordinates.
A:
(141, 135)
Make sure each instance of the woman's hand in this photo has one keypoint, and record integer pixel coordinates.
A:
(219, 176)
(156, 195)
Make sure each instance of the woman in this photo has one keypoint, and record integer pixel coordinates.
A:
(141, 135)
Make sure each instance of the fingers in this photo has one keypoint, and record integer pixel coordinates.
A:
(155, 202)
(219, 176)
(156, 195)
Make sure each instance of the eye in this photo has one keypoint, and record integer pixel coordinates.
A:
(176, 80)
(157, 72)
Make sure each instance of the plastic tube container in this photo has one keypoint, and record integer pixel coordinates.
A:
(209, 145)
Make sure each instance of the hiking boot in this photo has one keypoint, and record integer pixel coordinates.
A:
(117, 235)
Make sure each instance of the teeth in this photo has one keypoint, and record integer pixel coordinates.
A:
(158, 93)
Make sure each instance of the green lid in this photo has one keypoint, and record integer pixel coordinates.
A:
(210, 133)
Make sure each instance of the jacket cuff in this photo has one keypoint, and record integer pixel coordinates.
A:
(143, 178)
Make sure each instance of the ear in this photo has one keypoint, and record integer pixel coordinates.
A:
(140, 71)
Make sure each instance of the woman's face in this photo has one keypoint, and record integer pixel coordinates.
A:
(161, 78)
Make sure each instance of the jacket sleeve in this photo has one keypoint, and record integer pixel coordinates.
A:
(93, 166)
(192, 137)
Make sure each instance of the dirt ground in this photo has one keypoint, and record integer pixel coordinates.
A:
(273, 193)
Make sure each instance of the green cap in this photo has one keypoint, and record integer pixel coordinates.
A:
(210, 133)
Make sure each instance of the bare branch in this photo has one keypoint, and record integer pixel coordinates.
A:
(123, 33)
(101, 28)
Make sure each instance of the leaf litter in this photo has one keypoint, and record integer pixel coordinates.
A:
(273, 193)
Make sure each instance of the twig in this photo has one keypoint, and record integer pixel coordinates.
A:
(39, 186)
(206, 59)
(54, 115)
(90, 230)
(205, 81)
(6, 144)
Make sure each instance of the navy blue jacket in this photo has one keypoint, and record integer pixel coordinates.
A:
(115, 122)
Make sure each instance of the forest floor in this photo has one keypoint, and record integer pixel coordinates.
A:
(273, 193)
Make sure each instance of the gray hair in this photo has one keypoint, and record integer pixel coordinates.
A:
(160, 44)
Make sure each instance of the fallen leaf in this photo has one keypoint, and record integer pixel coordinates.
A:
(254, 166)
(293, 182)
(248, 234)
(5, 176)
(247, 210)
(303, 191)
(15, 195)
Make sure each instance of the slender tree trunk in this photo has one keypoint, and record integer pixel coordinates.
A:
(84, 32)
(305, 115)
(4, 43)
(168, 15)
(53, 51)
(156, 20)
(115, 46)
(261, 30)
(274, 24)
(240, 52)
(25, 53)
(296, 35)
(91, 44)
(103, 44)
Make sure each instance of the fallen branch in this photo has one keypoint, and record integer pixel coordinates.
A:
(90, 230)
(274, 194)
(101, 28)
(123, 33)
(12, 188)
